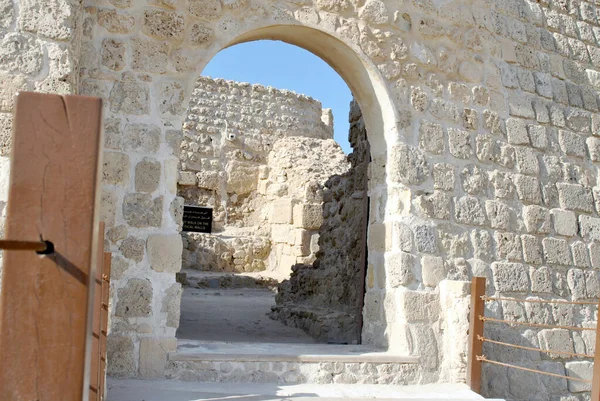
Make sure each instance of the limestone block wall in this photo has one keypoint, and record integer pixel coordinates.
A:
(258, 156)
(324, 298)
(482, 119)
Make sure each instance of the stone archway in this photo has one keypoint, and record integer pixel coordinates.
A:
(146, 105)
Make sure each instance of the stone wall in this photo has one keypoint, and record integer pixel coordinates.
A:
(258, 156)
(483, 124)
(325, 298)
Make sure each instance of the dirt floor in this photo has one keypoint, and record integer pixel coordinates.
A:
(233, 315)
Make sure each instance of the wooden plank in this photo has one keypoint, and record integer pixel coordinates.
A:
(95, 363)
(45, 317)
(596, 374)
(475, 329)
(104, 321)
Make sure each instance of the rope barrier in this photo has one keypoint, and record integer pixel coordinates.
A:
(547, 326)
(482, 358)
(540, 301)
(487, 340)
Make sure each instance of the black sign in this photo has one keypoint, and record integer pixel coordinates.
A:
(197, 219)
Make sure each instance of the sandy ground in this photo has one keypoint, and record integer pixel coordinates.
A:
(233, 315)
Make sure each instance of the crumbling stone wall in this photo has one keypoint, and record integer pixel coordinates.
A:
(483, 123)
(325, 298)
(256, 155)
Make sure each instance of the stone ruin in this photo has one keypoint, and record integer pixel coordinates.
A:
(259, 157)
(483, 121)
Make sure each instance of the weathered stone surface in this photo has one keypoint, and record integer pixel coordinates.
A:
(147, 175)
(55, 20)
(590, 228)
(171, 97)
(418, 306)
(20, 54)
(308, 216)
(130, 98)
(400, 271)
(171, 304)
(149, 56)
(142, 138)
(575, 197)
(141, 210)
(133, 248)
(153, 355)
(407, 165)
(468, 210)
(115, 170)
(113, 54)
(512, 277)
(135, 299)
(201, 34)
(116, 21)
(5, 133)
(581, 370)
(163, 25)
(208, 10)
(10, 85)
(164, 252)
(120, 356)
(7, 13)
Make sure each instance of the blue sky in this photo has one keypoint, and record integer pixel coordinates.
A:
(286, 66)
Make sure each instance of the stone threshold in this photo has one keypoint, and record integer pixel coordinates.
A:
(198, 351)
(160, 390)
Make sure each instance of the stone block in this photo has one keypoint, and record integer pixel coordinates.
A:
(468, 210)
(171, 304)
(280, 233)
(516, 131)
(556, 340)
(120, 356)
(135, 299)
(141, 210)
(459, 142)
(10, 85)
(309, 216)
(164, 252)
(282, 211)
(572, 144)
(115, 21)
(113, 54)
(537, 219)
(433, 269)
(208, 10)
(528, 189)
(532, 249)
(399, 268)
(593, 145)
(418, 306)
(431, 138)
(425, 238)
(147, 175)
(556, 251)
(508, 246)
(115, 169)
(590, 228)
(380, 237)
(582, 370)
(500, 215)
(407, 165)
(171, 96)
(163, 25)
(153, 356)
(6, 121)
(149, 56)
(564, 221)
(129, 97)
(541, 281)
(581, 257)
(575, 197)
(201, 34)
(526, 160)
(510, 277)
(186, 178)
(108, 206)
(133, 248)
(443, 177)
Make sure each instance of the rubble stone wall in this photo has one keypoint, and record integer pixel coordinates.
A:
(483, 124)
(259, 157)
(324, 297)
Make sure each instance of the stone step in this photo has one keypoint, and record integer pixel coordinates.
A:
(200, 279)
(172, 390)
(289, 364)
